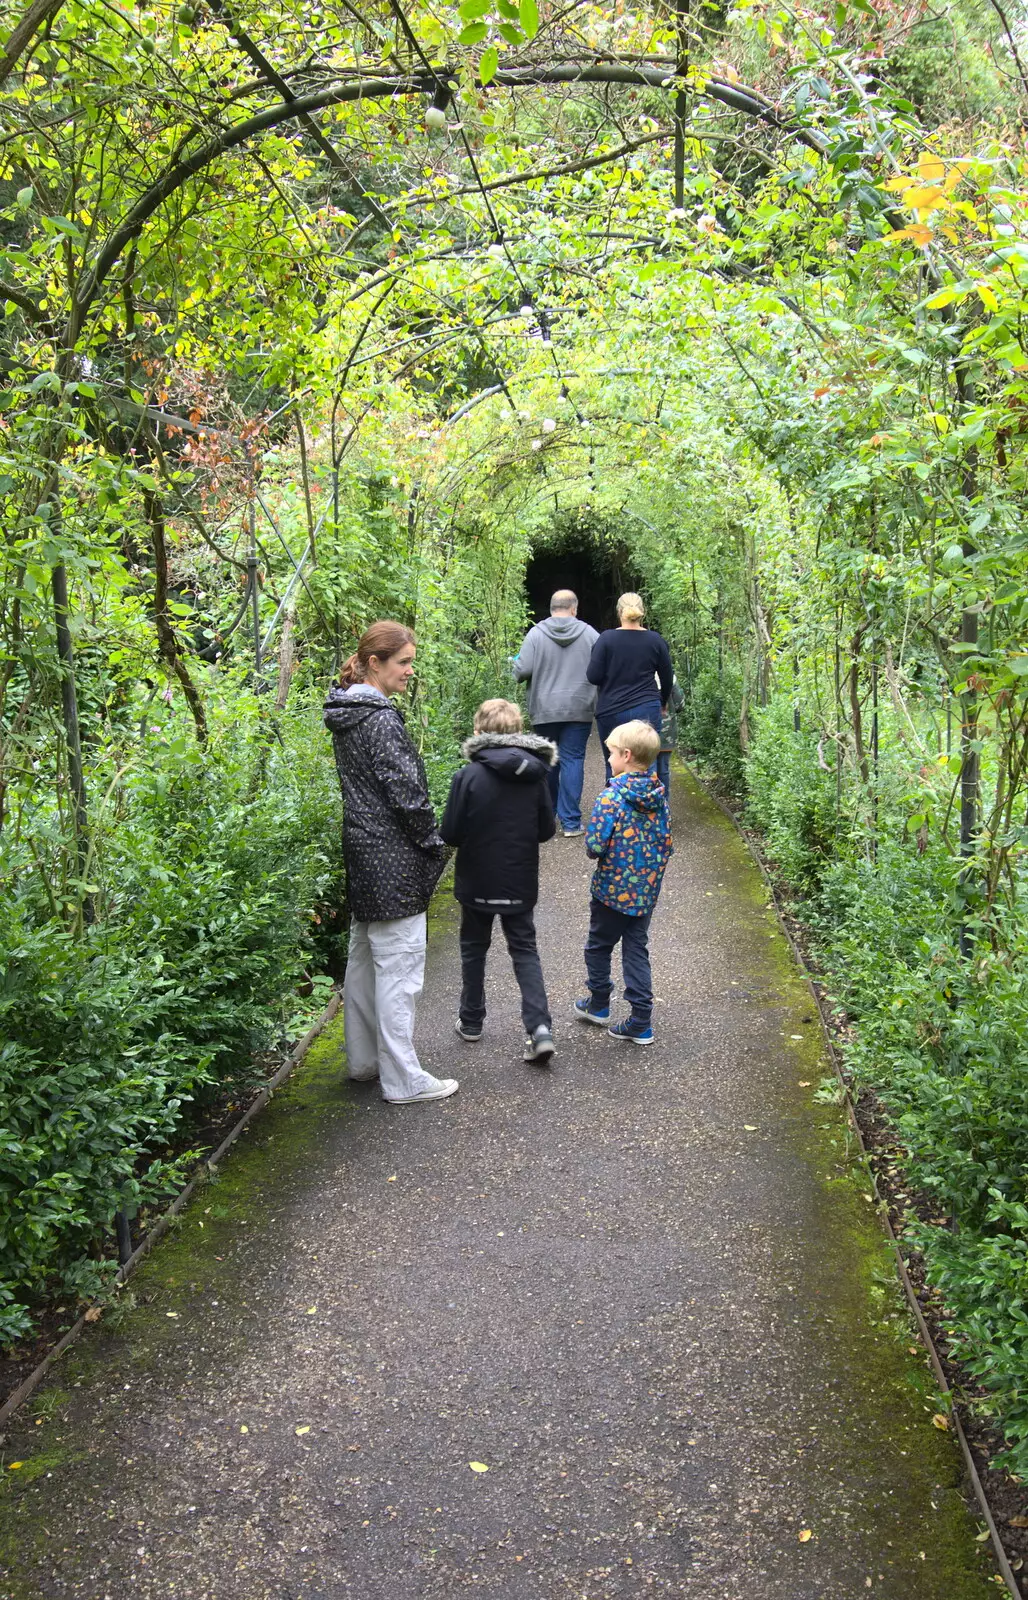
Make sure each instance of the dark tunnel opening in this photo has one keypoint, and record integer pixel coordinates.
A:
(598, 570)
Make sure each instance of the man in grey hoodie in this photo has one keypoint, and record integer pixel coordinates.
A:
(561, 700)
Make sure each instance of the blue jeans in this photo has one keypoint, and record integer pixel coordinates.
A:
(649, 712)
(567, 774)
(607, 928)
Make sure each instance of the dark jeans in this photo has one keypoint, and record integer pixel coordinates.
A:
(568, 773)
(649, 712)
(476, 932)
(607, 928)
(664, 772)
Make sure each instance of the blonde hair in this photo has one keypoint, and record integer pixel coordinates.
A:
(640, 739)
(631, 608)
(498, 716)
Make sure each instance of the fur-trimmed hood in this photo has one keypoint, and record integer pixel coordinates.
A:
(543, 750)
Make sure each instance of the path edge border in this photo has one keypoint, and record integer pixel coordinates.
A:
(206, 1169)
(881, 1208)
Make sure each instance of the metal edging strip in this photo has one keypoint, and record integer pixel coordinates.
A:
(181, 1200)
(1002, 1561)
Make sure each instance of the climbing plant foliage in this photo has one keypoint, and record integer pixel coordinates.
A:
(315, 314)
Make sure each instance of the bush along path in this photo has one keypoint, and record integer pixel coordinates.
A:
(626, 1326)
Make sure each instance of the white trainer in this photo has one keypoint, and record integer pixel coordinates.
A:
(435, 1089)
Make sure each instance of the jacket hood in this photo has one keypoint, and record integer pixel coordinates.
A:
(346, 708)
(517, 757)
(640, 790)
(562, 630)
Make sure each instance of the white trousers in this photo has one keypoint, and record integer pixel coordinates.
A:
(385, 973)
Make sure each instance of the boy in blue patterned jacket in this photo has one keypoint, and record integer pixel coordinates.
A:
(629, 833)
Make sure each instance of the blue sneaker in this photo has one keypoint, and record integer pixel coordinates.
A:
(593, 1013)
(638, 1032)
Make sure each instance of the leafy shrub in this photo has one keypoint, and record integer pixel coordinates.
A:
(113, 1032)
(709, 723)
(789, 797)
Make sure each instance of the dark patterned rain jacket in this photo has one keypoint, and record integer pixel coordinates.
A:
(391, 845)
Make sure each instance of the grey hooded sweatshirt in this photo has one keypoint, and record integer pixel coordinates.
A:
(554, 657)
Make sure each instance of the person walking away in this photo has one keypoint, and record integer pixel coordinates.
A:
(623, 665)
(669, 734)
(561, 700)
(498, 813)
(629, 834)
(394, 855)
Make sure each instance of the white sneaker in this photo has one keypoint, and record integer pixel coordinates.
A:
(435, 1089)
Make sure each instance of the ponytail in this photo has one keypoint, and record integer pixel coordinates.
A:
(383, 639)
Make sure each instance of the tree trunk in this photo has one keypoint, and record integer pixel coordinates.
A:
(167, 643)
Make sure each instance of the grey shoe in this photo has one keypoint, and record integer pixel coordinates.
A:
(466, 1031)
(435, 1089)
(539, 1047)
(573, 833)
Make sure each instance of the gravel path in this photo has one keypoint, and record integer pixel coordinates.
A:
(644, 1288)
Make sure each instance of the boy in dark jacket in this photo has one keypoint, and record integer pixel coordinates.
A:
(498, 813)
(629, 834)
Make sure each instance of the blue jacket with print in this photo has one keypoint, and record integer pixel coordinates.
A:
(630, 832)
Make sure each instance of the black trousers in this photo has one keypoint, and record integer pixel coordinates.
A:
(476, 932)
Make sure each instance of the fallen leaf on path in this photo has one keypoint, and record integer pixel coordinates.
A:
(478, 1466)
(15, 1465)
(93, 1314)
(1018, 1522)
(244, 1428)
(750, 1127)
(804, 1535)
(392, 1179)
(305, 1429)
(804, 1083)
(939, 1421)
(311, 1310)
(171, 1313)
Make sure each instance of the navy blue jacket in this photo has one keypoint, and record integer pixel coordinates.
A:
(623, 664)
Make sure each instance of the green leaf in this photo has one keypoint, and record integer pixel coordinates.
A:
(471, 9)
(488, 65)
(26, 195)
(474, 33)
(528, 16)
(512, 34)
(506, 9)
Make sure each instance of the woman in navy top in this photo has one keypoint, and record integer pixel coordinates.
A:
(626, 664)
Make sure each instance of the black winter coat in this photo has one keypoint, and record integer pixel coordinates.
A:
(498, 814)
(391, 844)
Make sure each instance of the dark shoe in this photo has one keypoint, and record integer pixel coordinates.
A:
(638, 1032)
(468, 1031)
(539, 1046)
(590, 1011)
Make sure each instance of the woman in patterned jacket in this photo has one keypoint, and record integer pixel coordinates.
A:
(394, 855)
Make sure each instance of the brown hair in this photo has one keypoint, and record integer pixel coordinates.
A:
(498, 716)
(382, 639)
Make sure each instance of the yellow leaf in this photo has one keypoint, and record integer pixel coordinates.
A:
(244, 1428)
(955, 175)
(987, 296)
(930, 169)
(15, 1465)
(312, 1311)
(392, 1179)
(804, 1535)
(749, 1127)
(478, 1466)
(305, 1429)
(921, 198)
(917, 233)
(939, 1421)
(897, 185)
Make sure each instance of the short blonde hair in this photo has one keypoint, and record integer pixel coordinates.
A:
(498, 716)
(639, 738)
(631, 608)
